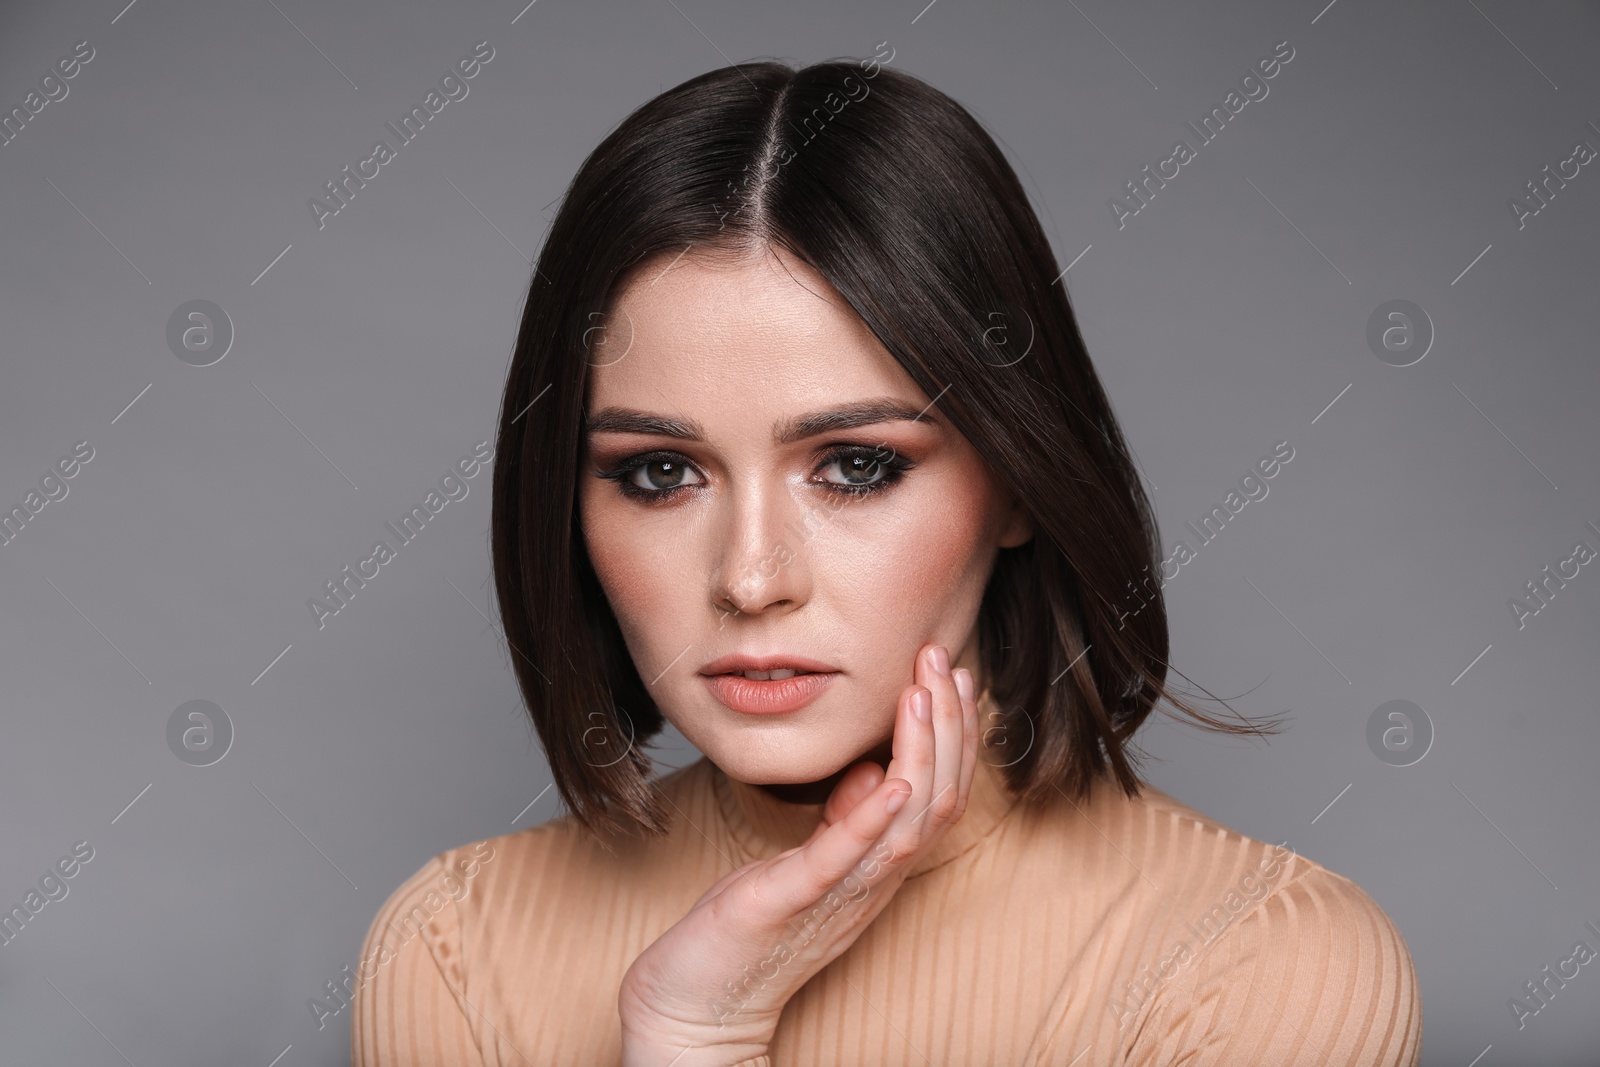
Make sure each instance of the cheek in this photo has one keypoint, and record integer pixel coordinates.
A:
(637, 569)
(918, 562)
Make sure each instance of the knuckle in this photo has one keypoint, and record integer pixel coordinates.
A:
(724, 907)
(819, 876)
(950, 707)
(892, 856)
(860, 835)
(902, 846)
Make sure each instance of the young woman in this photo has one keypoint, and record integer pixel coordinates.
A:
(801, 450)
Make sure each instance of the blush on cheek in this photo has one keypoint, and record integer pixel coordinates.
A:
(925, 573)
(627, 580)
(642, 573)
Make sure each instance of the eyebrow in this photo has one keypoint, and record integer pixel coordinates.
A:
(785, 431)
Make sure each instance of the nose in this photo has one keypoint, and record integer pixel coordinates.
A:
(760, 569)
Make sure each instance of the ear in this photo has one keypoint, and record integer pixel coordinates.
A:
(1018, 526)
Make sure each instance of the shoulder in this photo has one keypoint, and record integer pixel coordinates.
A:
(1147, 854)
(456, 937)
(555, 867)
(1271, 958)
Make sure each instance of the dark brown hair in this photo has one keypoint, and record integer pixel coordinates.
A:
(896, 195)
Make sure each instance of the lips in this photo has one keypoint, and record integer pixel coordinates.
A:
(766, 685)
(782, 661)
(770, 697)
(764, 676)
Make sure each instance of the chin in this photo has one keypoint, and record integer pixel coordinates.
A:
(787, 768)
(790, 749)
(775, 761)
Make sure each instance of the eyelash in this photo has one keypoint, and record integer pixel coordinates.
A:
(895, 468)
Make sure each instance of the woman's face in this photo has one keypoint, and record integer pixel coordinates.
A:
(763, 535)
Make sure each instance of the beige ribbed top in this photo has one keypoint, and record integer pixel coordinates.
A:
(1109, 931)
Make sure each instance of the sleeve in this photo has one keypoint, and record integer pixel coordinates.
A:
(409, 1008)
(1316, 974)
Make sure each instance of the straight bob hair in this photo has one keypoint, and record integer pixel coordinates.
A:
(897, 196)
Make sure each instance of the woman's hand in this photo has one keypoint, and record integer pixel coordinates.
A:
(709, 991)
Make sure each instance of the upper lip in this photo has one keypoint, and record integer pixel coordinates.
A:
(776, 662)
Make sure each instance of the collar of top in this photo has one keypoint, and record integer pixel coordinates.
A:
(763, 826)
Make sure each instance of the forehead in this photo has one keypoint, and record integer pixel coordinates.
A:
(738, 342)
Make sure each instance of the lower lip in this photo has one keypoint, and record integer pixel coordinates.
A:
(770, 697)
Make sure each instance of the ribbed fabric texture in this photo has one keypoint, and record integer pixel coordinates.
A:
(1074, 934)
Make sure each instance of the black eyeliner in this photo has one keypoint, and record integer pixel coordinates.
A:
(895, 467)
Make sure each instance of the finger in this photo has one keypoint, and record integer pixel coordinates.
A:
(913, 761)
(857, 785)
(795, 881)
(946, 802)
(970, 729)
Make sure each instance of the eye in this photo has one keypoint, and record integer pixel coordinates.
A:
(654, 475)
(865, 470)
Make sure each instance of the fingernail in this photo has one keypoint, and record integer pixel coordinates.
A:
(922, 705)
(897, 800)
(940, 658)
(964, 683)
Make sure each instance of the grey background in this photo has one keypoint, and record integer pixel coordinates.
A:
(1225, 317)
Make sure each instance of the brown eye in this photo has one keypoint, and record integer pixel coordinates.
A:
(661, 474)
(653, 477)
